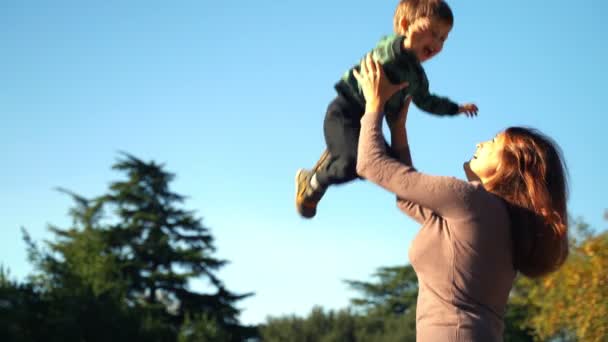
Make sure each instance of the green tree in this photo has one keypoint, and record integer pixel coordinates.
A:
(78, 258)
(385, 311)
(394, 293)
(572, 303)
(79, 284)
(121, 272)
(21, 308)
(517, 316)
(319, 326)
(162, 247)
(387, 305)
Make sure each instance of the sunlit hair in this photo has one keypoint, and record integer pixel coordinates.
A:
(532, 178)
(415, 9)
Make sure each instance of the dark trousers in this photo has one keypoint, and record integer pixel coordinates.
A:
(341, 128)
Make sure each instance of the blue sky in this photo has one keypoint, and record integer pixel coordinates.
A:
(231, 97)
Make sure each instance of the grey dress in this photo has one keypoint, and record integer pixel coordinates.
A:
(462, 253)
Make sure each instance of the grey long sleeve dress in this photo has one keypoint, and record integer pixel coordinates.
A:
(462, 254)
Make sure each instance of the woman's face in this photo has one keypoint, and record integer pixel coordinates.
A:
(487, 157)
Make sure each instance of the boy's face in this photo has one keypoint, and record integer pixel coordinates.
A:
(426, 36)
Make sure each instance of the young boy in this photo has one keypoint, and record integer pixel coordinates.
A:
(421, 27)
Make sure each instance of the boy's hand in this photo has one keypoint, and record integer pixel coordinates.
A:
(468, 109)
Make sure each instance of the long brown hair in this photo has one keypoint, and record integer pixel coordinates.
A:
(532, 178)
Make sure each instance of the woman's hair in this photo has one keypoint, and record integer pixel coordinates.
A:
(532, 178)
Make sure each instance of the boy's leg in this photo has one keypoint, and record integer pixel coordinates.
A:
(338, 163)
(342, 127)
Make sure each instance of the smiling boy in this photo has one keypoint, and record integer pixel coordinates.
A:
(421, 28)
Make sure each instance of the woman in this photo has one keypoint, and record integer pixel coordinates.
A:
(476, 235)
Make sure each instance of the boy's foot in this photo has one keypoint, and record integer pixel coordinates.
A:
(307, 198)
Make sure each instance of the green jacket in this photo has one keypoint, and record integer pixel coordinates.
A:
(400, 65)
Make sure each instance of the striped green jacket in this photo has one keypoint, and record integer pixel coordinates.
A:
(400, 65)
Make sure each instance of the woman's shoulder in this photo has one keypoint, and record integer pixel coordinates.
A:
(475, 197)
(464, 187)
(479, 192)
(487, 203)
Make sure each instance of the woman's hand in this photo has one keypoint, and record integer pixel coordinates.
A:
(377, 89)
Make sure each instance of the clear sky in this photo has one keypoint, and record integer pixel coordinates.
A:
(231, 96)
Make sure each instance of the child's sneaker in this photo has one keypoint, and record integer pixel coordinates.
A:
(307, 198)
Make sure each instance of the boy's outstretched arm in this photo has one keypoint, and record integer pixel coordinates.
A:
(438, 105)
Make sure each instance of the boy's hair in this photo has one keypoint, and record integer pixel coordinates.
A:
(414, 9)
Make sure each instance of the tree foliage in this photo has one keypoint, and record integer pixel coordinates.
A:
(122, 271)
(384, 311)
(162, 246)
(572, 303)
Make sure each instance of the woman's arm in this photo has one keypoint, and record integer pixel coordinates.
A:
(399, 142)
(401, 149)
(445, 196)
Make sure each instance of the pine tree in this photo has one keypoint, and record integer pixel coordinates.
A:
(394, 293)
(162, 247)
(78, 287)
